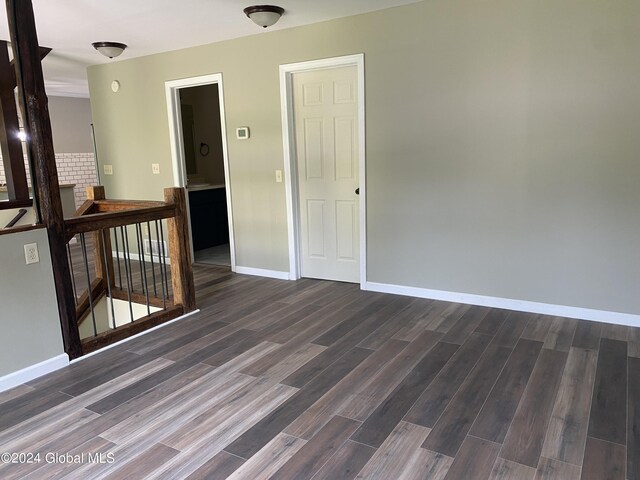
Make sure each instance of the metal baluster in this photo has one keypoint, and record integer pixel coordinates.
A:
(86, 267)
(127, 252)
(143, 265)
(106, 262)
(153, 269)
(164, 259)
(73, 274)
(162, 269)
(115, 235)
(126, 273)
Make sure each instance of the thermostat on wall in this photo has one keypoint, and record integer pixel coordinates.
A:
(242, 133)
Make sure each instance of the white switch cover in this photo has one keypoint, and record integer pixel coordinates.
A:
(31, 253)
(108, 169)
(279, 176)
(155, 168)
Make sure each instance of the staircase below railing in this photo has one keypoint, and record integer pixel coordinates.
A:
(130, 265)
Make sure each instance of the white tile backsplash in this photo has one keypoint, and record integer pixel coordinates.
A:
(78, 168)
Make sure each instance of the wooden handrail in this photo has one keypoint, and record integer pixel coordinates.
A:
(99, 221)
(96, 217)
(21, 213)
(104, 205)
(24, 228)
(10, 204)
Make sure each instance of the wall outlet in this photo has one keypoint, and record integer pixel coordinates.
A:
(155, 168)
(31, 253)
(108, 169)
(279, 176)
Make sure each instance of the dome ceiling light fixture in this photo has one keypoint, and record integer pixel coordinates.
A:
(109, 49)
(264, 15)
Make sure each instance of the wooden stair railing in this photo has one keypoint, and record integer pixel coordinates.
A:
(21, 213)
(99, 223)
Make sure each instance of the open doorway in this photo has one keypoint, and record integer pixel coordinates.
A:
(196, 116)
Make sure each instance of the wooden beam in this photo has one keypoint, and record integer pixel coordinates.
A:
(26, 54)
(110, 336)
(10, 143)
(44, 51)
(119, 294)
(105, 206)
(184, 292)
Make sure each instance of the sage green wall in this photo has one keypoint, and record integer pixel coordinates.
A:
(502, 143)
(29, 319)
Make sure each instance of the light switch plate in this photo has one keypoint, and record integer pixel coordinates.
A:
(242, 133)
(108, 169)
(278, 176)
(155, 168)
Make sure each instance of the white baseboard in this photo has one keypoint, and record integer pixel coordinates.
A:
(147, 258)
(34, 371)
(604, 316)
(259, 272)
(182, 317)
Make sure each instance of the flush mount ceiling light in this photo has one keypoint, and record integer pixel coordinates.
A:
(109, 49)
(264, 15)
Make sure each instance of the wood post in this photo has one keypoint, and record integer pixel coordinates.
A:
(103, 266)
(10, 144)
(180, 252)
(35, 114)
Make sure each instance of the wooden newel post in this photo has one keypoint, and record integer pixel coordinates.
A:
(102, 252)
(35, 113)
(184, 292)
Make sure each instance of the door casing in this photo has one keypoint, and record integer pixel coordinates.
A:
(290, 160)
(172, 90)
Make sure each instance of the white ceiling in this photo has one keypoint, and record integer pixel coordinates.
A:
(153, 26)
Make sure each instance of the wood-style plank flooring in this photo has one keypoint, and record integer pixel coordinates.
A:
(318, 380)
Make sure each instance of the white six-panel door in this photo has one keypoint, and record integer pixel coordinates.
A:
(325, 110)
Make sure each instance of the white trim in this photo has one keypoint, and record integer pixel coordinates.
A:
(172, 88)
(136, 256)
(33, 371)
(288, 142)
(604, 316)
(56, 363)
(182, 317)
(260, 272)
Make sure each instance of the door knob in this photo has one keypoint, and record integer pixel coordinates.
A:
(358, 191)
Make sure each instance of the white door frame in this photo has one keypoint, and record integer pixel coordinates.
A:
(172, 90)
(290, 161)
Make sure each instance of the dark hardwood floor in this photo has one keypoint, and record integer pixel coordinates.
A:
(315, 379)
